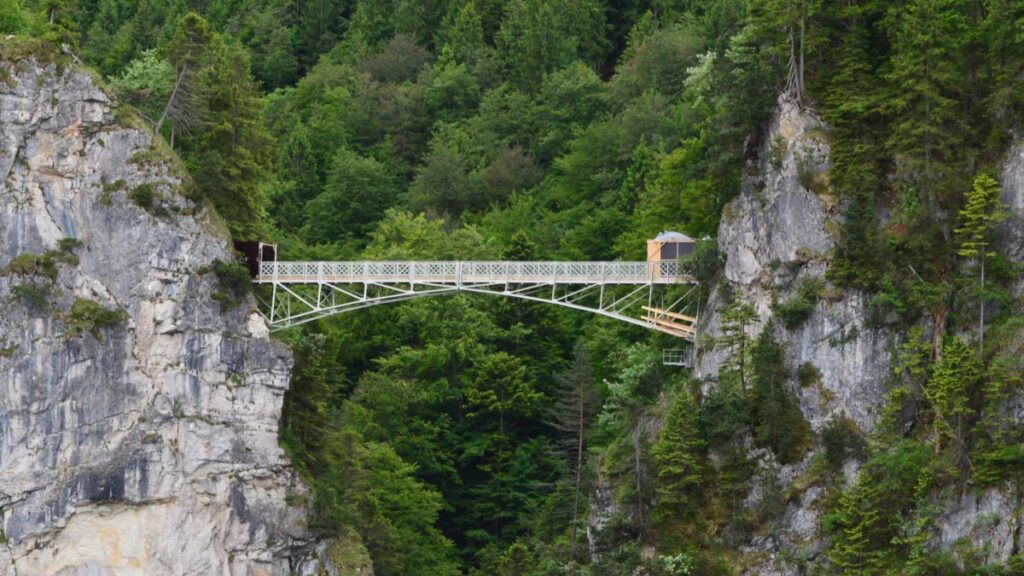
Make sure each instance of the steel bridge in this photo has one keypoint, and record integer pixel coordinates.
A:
(633, 292)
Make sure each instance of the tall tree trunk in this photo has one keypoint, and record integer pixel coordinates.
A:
(981, 319)
(637, 472)
(174, 94)
(579, 464)
(939, 317)
(800, 87)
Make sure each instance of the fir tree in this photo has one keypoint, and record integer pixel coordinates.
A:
(734, 338)
(572, 415)
(979, 216)
(678, 453)
(778, 422)
(926, 75)
(949, 392)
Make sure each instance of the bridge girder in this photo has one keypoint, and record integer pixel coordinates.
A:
(639, 299)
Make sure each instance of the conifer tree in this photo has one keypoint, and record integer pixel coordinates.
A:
(926, 76)
(734, 338)
(61, 17)
(188, 52)
(573, 413)
(982, 211)
(678, 453)
(778, 422)
(949, 393)
(463, 37)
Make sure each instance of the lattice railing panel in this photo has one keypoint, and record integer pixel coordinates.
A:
(451, 272)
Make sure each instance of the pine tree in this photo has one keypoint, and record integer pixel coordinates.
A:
(573, 413)
(949, 393)
(926, 76)
(678, 453)
(501, 388)
(1000, 452)
(982, 211)
(61, 18)
(778, 422)
(189, 51)
(734, 338)
(230, 152)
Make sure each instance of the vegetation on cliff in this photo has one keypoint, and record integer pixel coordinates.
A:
(450, 434)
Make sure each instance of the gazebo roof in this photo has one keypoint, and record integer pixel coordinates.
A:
(669, 236)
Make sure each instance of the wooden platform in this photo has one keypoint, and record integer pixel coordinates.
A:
(672, 323)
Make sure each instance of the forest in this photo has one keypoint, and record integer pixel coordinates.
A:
(466, 435)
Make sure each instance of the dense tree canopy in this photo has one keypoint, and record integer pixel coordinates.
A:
(465, 435)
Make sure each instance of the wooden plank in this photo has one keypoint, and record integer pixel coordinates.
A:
(675, 315)
(670, 324)
(675, 333)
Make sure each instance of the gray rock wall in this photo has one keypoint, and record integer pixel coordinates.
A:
(779, 231)
(151, 446)
(1011, 232)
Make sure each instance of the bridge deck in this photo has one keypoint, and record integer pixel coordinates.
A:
(469, 272)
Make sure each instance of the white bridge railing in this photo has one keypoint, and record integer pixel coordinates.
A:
(469, 272)
(305, 291)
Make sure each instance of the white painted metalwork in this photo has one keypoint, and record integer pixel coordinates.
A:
(305, 291)
(675, 357)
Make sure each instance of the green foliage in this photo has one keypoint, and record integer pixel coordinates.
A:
(355, 197)
(842, 440)
(997, 453)
(145, 196)
(229, 156)
(800, 306)
(735, 323)
(35, 296)
(536, 129)
(777, 421)
(982, 211)
(538, 36)
(637, 381)
(44, 265)
(926, 72)
(234, 283)
(92, 317)
(69, 244)
(369, 486)
(146, 83)
(14, 18)
(949, 392)
(871, 513)
(807, 374)
(678, 453)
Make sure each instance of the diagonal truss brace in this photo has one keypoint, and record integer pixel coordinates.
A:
(293, 304)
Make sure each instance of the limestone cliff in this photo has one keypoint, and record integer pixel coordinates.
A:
(779, 231)
(138, 418)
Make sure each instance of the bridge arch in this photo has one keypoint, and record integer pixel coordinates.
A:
(301, 292)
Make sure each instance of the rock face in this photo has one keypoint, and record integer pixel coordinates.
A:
(777, 233)
(774, 236)
(139, 443)
(1012, 230)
